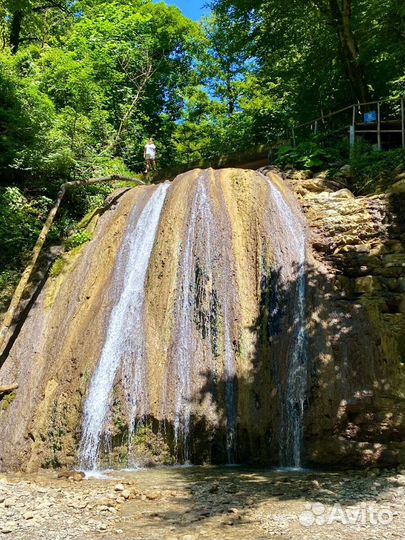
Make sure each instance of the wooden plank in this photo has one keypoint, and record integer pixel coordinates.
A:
(381, 131)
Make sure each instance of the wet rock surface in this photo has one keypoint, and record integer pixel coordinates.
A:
(353, 405)
(356, 328)
(206, 502)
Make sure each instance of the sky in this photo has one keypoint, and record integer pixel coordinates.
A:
(191, 8)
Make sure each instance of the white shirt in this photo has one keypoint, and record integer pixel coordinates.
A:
(150, 151)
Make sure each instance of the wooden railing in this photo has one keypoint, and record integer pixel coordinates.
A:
(347, 119)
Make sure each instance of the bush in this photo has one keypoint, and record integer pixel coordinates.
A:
(77, 239)
(8, 282)
(307, 155)
(373, 170)
(21, 221)
(57, 267)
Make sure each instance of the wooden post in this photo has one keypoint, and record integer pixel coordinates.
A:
(403, 121)
(352, 130)
(19, 291)
(379, 145)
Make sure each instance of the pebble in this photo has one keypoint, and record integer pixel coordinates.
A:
(152, 495)
(119, 487)
(81, 510)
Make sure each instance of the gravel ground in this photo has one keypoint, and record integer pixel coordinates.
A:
(205, 502)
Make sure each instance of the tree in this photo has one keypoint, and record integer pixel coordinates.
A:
(141, 55)
(320, 55)
(225, 62)
(33, 12)
(340, 16)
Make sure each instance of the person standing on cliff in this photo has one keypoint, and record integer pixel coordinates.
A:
(150, 155)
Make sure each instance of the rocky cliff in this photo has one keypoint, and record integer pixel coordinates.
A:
(356, 410)
(257, 334)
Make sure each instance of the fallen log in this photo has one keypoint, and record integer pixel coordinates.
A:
(19, 291)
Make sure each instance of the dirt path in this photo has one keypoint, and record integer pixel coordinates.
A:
(206, 502)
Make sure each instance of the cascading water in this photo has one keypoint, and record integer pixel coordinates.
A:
(230, 397)
(204, 297)
(201, 257)
(193, 318)
(184, 347)
(124, 342)
(200, 221)
(290, 258)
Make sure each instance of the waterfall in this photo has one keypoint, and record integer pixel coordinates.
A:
(204, 295)
(230, 398)
(190, 318)
(202, 256)
(291, 257)
(124, 342)
(199, 224)
(185, 340)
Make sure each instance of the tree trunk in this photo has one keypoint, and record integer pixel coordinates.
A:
(230, 97)
(15, 31)
(342, 20)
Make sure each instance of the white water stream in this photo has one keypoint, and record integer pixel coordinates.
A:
(124, 343)
(290, 261)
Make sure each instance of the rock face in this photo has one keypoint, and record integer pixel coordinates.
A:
(253, 336)
(357, 332)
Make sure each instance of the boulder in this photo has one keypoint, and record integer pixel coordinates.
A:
(367, 284)
(346, 171)
(399, 187)
(76, 476)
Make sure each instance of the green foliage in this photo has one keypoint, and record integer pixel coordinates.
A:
(85, 106)
(57, 267)
(20, 224)
(7, 400)
(307, 155)
(8, 282)
(77, 239)
(373, 170)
